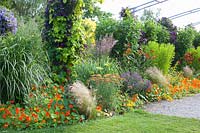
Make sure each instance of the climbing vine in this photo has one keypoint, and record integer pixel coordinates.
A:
(64, 35)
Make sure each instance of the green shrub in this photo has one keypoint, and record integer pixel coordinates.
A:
(163, 55)
(22, 62)
(192, 58)
(104, 65)
(106, 88)
(184, 41)
(163, 35)
(127, 34)
(105, 26)
(151, 30)
(196, 41)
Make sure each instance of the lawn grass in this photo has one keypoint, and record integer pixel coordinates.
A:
(133, 122)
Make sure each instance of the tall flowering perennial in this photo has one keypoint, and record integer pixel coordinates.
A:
(8, 23)
(64, 35)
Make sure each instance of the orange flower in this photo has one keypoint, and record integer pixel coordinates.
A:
(67, 113)
(58, 97)
(57, 113)
(43, 121)
(20, 118)
(17, 110)
(134, 98)
(28, 119)
(2, 109)
(47, 114)
(62, 88)
(98, 108)
(37, 109)
(49, 106)
(4, 116)
(8, 112)
(34, 115)
(5, 125)
(71, 106)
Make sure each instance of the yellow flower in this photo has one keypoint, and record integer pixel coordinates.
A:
(130, 103)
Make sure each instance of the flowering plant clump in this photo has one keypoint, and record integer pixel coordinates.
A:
(185, 86)
(134, 83)
(49, 109)
(8, 23)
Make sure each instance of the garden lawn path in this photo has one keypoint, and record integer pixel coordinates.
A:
(185, 107)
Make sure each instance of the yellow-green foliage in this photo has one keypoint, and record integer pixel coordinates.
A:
(161, 55)
(90, 28)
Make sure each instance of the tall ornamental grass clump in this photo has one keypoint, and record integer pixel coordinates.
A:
(162, 54)
(22, 62)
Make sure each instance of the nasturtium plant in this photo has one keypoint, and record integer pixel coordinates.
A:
(64, 35)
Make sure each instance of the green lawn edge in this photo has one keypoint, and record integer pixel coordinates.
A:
(137, 121)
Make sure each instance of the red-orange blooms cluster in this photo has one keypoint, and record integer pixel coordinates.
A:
(186, 85)
(56, 108)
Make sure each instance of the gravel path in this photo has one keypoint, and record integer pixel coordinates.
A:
(186, 107)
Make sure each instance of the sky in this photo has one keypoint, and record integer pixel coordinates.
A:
(167, 9)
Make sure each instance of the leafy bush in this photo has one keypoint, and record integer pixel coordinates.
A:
(184, 41)
(151, 30)
(104, 65)
(8, 23)
(196, 41)
(23, 62)
(106, 87)
(156, 76)
(64, 36)
(127, 35)
(163, 35)
(192, 58)
(134, 83)
(105, 26)
(172, 29)
(163, 55)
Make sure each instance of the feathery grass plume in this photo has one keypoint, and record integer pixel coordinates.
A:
(105, 45)
(157, 76)
(187, 72)
(85, 101)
